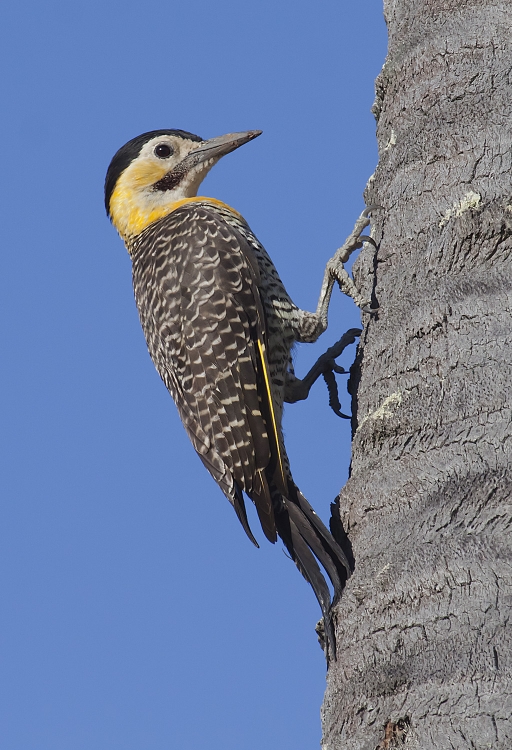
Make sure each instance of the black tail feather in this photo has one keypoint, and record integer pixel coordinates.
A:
(308, 533)
(262, 498)
(307, 540)
(239, 506)
(329, 542)
(309, 543)
(308, 566)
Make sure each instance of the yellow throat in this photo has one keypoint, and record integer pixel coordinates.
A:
(130, 218)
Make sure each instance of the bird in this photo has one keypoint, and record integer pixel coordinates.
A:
(220, 328)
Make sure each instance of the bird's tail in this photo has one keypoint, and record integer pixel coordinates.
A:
(304, 535)
(309, 542)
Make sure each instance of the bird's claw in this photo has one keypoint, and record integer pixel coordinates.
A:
(370, 310)
(340, 370)
(372, 207)
(298, 390)
(366, 238)
(328, 364)
(336, 267)
(332, 389)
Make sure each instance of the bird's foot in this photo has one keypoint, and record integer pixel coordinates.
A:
(298, 390)
(336, 265)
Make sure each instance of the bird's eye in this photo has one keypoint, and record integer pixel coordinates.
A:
(163, 150)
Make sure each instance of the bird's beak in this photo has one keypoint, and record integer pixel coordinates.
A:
(214, 148)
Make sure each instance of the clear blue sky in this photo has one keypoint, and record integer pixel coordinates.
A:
(135, 614)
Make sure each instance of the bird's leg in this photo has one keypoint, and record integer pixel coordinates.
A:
(336, 271)
(314, 324)
(298, 390)
(335, 268)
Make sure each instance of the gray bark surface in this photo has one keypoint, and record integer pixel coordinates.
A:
(423, 633)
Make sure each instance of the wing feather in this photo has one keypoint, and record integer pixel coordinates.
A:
(195, 281)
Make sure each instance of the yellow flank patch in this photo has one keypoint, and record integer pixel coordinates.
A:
(131, 217)
(266, 377)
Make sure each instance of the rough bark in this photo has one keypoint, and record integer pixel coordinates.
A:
(424, 658)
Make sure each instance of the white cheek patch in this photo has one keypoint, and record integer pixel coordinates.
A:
(136, 203)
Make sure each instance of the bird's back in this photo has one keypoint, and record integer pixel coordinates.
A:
(174, 249)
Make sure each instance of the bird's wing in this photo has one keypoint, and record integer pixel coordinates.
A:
(196, 285)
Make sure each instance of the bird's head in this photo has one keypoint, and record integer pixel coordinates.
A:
(150, 174)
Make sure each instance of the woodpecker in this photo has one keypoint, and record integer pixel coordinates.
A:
(220, 328)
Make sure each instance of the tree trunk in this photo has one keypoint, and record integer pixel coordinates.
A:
(424, 656)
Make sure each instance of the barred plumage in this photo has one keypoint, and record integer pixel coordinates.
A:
(220, 327)
(202, 317)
